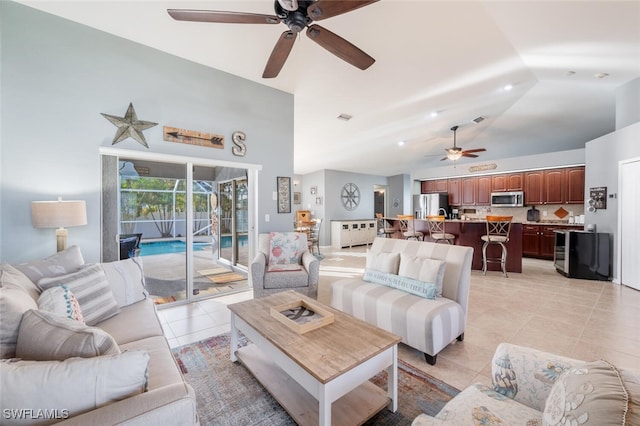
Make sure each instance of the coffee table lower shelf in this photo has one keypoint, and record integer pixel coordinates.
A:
(354, 408)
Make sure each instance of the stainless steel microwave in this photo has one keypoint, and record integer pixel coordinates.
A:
(507, 199)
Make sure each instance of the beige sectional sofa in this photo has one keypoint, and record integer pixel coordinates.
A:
(532, 387)
(417, 290)
(116, 367)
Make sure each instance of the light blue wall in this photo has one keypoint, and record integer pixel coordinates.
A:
(58, 76)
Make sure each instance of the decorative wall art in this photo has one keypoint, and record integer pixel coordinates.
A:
(597, 198)
(314, 189)
(240, 149)
(192, 137)
(350, 196)
(284, 194)
(129, 126)
(319, 200)
(297, 197)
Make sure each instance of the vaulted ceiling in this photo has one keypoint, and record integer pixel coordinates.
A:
(543, 74)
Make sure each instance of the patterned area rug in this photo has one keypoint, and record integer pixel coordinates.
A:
(227, 393)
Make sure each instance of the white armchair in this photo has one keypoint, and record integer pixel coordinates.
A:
(283, 262)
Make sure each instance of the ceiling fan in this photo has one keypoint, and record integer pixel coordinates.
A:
(297, 15)
(455, 153)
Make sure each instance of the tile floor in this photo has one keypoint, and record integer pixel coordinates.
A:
(538, 308)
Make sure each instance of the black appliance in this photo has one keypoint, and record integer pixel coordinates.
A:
(584, 255)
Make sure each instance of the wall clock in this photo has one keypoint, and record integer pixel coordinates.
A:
(350, 196)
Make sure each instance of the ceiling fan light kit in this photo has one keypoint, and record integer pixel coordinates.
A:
(455, 153)
(297, 15)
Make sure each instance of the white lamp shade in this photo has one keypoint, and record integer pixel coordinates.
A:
(56, 214)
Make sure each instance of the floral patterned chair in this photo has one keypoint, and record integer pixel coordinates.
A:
(532, 388)
(283, 262)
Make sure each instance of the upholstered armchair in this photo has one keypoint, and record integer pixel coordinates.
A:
(283, 262)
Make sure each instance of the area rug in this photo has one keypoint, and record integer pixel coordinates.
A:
(228, 395)
(226, 278)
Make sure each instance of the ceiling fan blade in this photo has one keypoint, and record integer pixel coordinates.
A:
(444, 158)
(475, 150)
(466, 154)
(323, 9)
(279, 54)
(222, 17)
(340, 47)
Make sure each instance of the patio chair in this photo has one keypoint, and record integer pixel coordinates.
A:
(129, 245)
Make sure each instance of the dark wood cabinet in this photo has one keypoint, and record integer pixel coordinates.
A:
(454, 192)
(431, 186)
(483, 191)
(553, 192)
(540, 240)
(468, 191)
(574, 178)
(507, 182)
(533, 186)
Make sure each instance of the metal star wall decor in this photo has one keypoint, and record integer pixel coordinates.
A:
(129, 126)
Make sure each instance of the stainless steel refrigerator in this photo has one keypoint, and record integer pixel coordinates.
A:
(431, 205)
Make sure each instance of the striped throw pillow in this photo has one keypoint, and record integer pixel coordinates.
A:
(91, 288)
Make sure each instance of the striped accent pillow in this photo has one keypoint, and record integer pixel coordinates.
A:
(91, 288)
(45, 336)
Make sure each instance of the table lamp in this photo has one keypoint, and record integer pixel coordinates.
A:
(58, 214)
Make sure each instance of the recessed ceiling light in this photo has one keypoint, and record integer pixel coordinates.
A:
(400, 143)
(601, 75)
(507, 87)
(434, 114)
(345, 117)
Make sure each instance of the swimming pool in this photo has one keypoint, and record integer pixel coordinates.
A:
(173, 246)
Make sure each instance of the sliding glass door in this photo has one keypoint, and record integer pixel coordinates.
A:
(234, 223)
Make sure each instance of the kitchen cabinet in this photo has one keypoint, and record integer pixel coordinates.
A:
(574, 179)
(507, 182)
(533, 187)
(553, 192)
(539, 240)
(483, 191)
(431, 186)
(454, 190)
(468, 186)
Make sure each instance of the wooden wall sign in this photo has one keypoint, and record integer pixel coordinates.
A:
(211, 140)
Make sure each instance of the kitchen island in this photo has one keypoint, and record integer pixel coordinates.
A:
(468, 233)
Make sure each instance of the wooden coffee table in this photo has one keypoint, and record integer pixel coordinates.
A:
(322, 374)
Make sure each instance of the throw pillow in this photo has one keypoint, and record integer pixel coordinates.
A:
(14, 302)
(45, 336)
(91, 288)
(61, 301)
(64, 262)
(286, 248)
(423, 269)
(9, 275)
(590, 395)
(418, 288)
(126, 279)
(73, 386)
(383, 262)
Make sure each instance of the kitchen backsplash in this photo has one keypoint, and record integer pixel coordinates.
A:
(553, 212)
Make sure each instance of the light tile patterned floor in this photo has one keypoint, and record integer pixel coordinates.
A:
(538, 308)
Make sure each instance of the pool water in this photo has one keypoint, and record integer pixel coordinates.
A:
(164, 247)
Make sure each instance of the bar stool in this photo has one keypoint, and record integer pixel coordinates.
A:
(437, 230)
(407, 227)
(383, 231)
(498, 228)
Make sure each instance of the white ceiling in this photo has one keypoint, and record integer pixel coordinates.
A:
(451, 57)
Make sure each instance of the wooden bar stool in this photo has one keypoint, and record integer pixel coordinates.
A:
(407, 227)
(383, 231)
(437, 230)
(498, 228)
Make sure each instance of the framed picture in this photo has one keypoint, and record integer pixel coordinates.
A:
(318, 200)
(314, 189)
(284, 194)
(297, 197)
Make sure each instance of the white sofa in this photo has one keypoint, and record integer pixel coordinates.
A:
(532, 387)
(427, 324)
(115, 369)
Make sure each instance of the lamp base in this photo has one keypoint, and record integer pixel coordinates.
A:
(61, 238)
